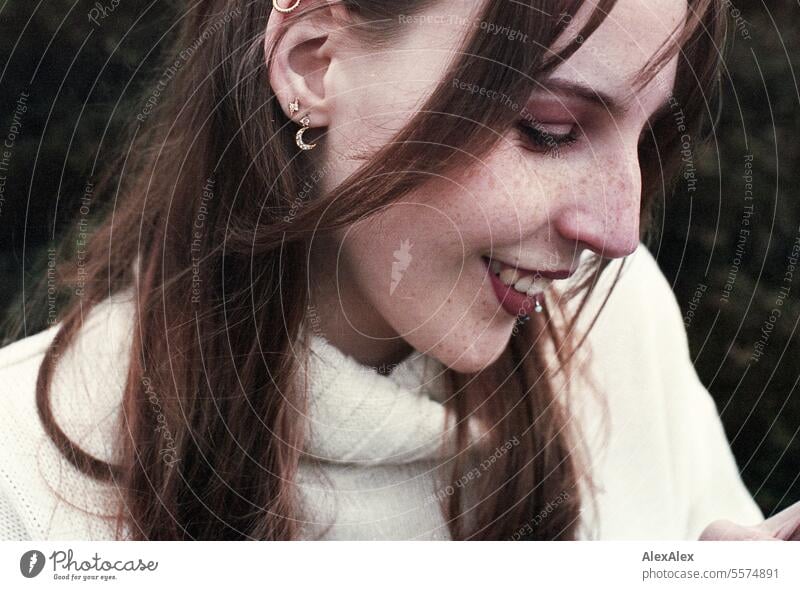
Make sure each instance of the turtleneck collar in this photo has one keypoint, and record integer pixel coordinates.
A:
(357, 415)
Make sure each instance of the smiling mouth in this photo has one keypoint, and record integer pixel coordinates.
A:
(524, 280)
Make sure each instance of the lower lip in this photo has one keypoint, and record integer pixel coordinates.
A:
(514, 302)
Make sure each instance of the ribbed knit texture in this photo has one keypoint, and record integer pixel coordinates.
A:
(666, 472)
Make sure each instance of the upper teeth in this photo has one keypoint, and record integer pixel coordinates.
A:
(528, 284)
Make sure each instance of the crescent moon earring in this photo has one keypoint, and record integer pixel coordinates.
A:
(298, 137)
(285, 10)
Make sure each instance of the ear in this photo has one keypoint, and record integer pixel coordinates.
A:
(301, 47)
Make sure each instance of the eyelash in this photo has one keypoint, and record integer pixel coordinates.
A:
(544, 142)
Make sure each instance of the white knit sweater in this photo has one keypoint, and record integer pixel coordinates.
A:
(666, 472)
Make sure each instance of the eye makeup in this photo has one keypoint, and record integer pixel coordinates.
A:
(549, 139)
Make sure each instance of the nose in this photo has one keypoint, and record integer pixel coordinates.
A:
(603, 212)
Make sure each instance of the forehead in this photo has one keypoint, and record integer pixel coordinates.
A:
(632, 33)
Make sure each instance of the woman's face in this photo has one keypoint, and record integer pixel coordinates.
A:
(416, 272)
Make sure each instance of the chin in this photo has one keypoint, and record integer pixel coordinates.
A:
(483, 350)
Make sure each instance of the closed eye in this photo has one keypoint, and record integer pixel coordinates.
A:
(547, 138)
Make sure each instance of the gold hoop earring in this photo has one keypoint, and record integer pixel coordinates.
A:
(298, 137)
(285, 10)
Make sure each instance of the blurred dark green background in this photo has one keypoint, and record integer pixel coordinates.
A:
(77, 80)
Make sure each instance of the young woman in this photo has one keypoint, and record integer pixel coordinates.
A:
(374, 270)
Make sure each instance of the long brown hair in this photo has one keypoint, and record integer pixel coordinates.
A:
(217, 147)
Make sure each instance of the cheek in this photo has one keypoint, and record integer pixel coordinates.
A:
(410, 242)
(417, 263)
(427, 246)
(362, 125)
(503, 199)
(375, 98)
(495, 203)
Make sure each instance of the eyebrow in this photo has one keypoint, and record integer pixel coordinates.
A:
(599, 98)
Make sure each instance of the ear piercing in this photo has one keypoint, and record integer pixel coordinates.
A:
(294, 107)
(298, 137)
(285, 10)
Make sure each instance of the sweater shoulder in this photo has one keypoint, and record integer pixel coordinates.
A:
(95, 356)
(666, 438)
(40, 487)
(12, 525)
(643, 289)
(632, 311)
(17, 358)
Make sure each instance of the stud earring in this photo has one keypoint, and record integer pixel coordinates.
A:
(285, 10)
(298, 138)
(294, 106)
